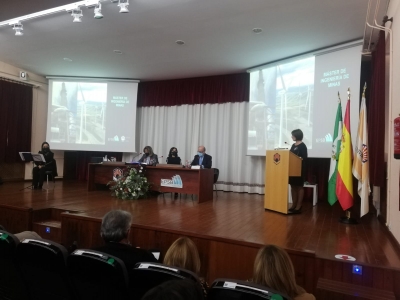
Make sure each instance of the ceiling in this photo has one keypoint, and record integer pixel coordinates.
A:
(217, 33)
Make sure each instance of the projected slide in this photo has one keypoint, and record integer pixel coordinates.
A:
(302, 94)
(97, 116)
(281, 99)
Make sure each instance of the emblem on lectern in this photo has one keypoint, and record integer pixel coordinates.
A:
(277, 158)
(117, 173)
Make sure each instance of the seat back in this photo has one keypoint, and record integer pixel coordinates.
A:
(145, 276)
(96, 275)
(227, 289)
(11, 284)
(43, 265)
(216, 175)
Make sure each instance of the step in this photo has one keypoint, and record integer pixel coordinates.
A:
(48, 229)
(330, 289)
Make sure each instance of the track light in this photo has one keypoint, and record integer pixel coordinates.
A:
(77, 15)
(123, 5)
(18, 27)
(97, 11)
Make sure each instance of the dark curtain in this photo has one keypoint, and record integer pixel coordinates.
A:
(15, 120)
(317, 171)
(376, 115)
(83, 158)
(201, 90)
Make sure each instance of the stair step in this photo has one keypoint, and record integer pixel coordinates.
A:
(49, 223)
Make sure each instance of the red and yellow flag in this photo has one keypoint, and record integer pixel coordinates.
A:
(344, 182)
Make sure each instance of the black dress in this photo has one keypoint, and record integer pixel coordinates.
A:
(39, 174)
(301, 151)
(173, 160)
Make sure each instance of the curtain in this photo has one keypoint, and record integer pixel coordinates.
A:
(15, 120)
(376, 115)
(200, 90)
(221, 128)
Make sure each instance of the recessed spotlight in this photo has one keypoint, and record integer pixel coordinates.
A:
(180, 42)
(77, 15)
(123, 6)
(117, 51)
(257, 30)
(18, 27)
(67, 59)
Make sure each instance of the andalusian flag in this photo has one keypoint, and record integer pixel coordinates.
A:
(337, 139)
(344, 181)
(360, 164)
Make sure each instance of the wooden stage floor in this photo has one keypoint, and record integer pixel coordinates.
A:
(232, 216)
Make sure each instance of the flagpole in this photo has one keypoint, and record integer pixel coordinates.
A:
(348, 219)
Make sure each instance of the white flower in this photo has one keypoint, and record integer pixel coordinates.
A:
(140, 171)
(141, 168)
(145, 179)
(121, 189)
(129, 190)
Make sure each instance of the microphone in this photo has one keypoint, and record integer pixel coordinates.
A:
(133, 159)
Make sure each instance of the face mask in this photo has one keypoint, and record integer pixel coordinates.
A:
(147, 154)
(45, 149)
(174, 152)
(200, 154)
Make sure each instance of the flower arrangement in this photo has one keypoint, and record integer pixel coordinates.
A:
(132, 185)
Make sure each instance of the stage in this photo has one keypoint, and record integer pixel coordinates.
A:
(228, 231)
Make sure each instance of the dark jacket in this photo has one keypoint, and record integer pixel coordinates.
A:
(207, 161)
(153, 159)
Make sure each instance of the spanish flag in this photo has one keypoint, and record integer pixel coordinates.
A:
(344, 181)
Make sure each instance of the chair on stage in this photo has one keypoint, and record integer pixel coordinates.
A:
(51, 174)
(227, 289)
(96, 275)
(145, 276)
(11, 284)
(216, 175)
(44, 269)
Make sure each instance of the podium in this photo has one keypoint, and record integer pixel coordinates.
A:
(279, 165)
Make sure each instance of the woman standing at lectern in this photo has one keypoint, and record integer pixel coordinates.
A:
(38, 172)
(297, 183)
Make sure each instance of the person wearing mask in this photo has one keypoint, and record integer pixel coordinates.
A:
(274, 269)
(297, 183)
(149, 157)
(173, 158)
(202, 159)
(39, 171)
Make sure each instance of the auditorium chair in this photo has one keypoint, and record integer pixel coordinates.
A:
(145, 276)
(11, 284)
(44, 269)
(96, 275)
(227, 289)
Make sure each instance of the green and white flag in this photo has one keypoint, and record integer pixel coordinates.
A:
(337, 140)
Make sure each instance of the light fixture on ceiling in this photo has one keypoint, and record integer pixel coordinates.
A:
(67, 59)
(123, 6)
(77, 15)
(18, 27)
(257, 30)
(180, 42)
(117, 51)
(97, 11)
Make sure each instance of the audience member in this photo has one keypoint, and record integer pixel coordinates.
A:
(202, 159)
(273, 268)
(183, 254)
(115, 229)
(175, 290)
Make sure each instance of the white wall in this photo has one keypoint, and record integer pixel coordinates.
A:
(39, 114)
(393, 215)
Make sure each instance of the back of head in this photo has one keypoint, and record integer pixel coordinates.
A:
(273, 268)
(115, 225)
(183, 254)
(175, 290)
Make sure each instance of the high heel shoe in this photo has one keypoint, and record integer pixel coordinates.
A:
(297, 211)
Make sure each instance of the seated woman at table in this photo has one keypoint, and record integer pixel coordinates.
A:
(173, 158)
(149, 157)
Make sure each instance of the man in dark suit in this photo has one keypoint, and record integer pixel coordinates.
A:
(202, 159)
(115, 229)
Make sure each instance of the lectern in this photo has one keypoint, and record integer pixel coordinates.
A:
(279, 165)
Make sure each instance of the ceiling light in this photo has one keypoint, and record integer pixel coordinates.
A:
(67, 59)
(77, 15)
(123, 5)
(117, 51)
(97, 11)
(18, 27)
(180, 42)
(257, 30)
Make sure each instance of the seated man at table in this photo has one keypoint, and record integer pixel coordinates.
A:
(202, 159)
(115, 229)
